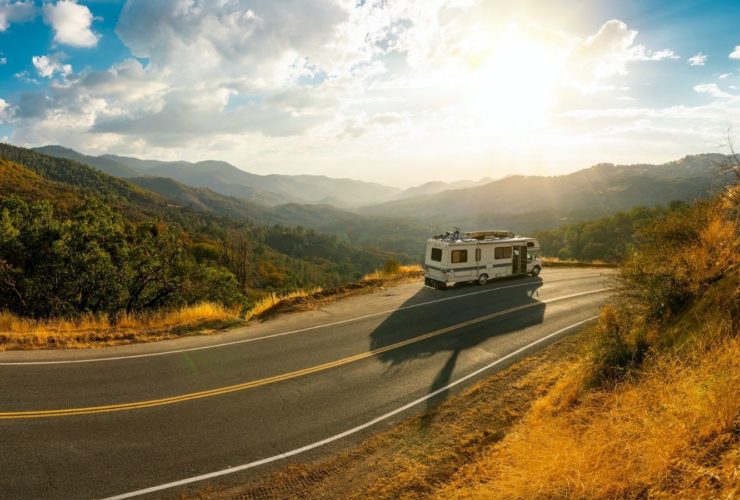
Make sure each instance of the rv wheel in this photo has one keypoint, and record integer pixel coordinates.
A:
(536, 271)
(482, 279)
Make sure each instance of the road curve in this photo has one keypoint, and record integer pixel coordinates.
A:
(117, 421)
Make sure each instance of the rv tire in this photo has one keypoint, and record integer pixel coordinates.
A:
(482, 279)
(536, 271)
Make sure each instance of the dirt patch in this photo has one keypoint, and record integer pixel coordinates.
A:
(416, 457)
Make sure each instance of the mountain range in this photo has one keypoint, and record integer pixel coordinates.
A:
(345, 206)
(601, 189)
(226, 179)
(269, 190)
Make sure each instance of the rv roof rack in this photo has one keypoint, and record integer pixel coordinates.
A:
(458, 235)
(453, 236)
(494, 233)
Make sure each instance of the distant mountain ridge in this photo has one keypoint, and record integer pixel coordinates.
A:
(226, 179)
(601, 189)
(434, 187)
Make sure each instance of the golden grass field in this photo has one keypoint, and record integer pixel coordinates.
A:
(94, 330)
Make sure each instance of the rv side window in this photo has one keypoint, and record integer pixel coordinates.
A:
(459, 256)
(437, 254)
(502, 253)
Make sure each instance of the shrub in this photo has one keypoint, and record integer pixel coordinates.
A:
(675, 261)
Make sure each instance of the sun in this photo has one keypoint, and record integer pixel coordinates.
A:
(514, 79)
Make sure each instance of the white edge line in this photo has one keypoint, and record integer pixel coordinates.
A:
(326, 325)
(346, 433)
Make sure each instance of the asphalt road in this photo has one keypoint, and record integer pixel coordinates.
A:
(113, 421)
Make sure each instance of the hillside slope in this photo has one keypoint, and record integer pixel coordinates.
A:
(226, 179)
(600, 190)
(107, 165)
(217, 230)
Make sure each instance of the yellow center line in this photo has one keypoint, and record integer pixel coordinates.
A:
(274, 379)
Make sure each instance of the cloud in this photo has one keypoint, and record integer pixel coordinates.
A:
(248, 40)
(724, 76)
(3, 60)
(608, 52)
(735, 54)
(15, 12)
(310, 83)
(71, 23)
(48, 66)
(712, 89)
(698, 60)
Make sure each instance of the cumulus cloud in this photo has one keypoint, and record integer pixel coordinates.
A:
(712, 89)
(48, 66)
(735, 54)
(608, 52)
(239, 39)
(71, 23)
(15, 12)
(698, 60)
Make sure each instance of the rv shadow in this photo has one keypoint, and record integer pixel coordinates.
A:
(406, 324)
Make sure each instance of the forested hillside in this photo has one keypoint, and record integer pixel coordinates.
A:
(89, 242)
(608, 238)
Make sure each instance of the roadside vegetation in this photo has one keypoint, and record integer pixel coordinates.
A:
(95, 330)
(605, 240)
(79, 247)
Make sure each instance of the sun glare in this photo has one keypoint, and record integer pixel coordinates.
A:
(516, 82)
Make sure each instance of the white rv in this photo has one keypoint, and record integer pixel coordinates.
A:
(479, 256)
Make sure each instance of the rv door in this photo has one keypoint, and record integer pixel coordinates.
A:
(519, 260)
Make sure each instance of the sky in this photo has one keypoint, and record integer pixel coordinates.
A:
(397, 92)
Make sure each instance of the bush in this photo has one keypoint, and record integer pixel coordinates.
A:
(676, 259)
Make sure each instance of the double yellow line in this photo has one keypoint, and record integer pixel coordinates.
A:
(269, 380)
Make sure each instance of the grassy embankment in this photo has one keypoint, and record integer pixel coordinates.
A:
(99, 330)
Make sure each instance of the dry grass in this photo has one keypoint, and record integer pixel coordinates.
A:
(673, 432)
(93, 330)
(274, 300)
(401, 271)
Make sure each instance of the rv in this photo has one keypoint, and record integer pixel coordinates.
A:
(478, 257)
